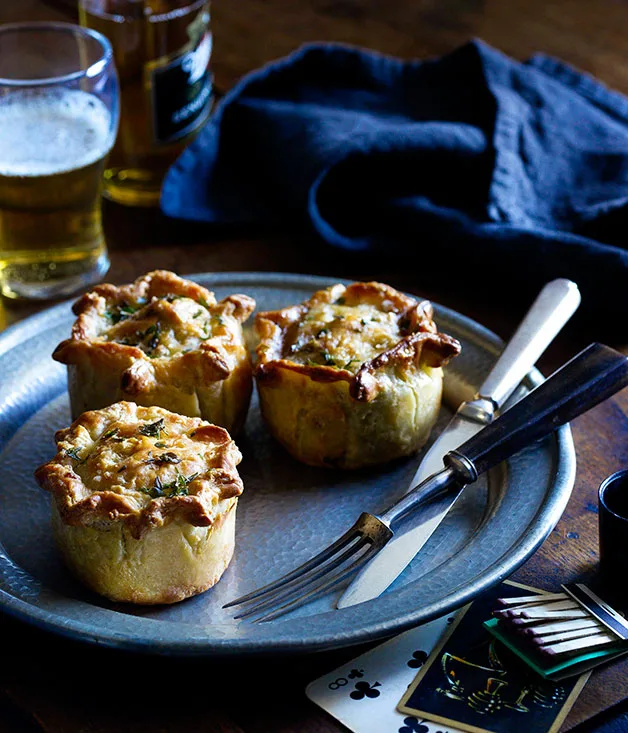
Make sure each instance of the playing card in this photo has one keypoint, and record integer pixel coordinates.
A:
(473, 682)
(364, 693)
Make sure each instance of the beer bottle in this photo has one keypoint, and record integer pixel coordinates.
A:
(162, 50)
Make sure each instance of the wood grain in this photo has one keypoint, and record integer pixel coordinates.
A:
(590, 35)
(34, 696)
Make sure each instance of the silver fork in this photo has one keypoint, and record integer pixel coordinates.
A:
(590, 377)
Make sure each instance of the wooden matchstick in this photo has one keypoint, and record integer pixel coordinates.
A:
(549, 639)
(577, 645)
(537, 613)
(532, 599)
(563, 605)
(520, 623)
(553, 627)
(554, 606)
(547, 616)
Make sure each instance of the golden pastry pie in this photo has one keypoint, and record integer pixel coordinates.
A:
(160, 341)
(144, 502)
(353, 376)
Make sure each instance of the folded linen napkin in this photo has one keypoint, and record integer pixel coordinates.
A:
(474, 166)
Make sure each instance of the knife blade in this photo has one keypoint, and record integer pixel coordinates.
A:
(553, 307)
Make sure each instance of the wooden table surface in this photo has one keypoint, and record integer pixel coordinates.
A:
(52, 684)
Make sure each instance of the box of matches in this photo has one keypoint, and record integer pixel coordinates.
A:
(560, 634)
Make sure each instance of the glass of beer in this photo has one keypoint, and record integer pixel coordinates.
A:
(59, 108)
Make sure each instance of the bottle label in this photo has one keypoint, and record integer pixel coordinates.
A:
(181, 92)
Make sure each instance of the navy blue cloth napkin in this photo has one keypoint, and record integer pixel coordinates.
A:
(473, 166)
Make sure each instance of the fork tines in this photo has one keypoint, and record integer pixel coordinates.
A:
(319, 575)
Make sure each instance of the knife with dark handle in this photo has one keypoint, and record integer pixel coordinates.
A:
(553, 307)
(591, 377)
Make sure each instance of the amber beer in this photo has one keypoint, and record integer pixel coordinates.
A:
(162, 50)
(53, 146)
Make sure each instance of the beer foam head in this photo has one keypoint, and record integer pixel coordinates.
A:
(52, 131)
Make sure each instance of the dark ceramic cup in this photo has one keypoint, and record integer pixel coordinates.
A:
(613, 519)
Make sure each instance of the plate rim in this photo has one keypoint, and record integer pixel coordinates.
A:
(203, 645)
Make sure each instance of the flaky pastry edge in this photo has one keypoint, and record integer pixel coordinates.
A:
(100, 508)
(423, 343)
(90, 310)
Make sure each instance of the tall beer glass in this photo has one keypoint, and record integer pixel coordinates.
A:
(59, 108)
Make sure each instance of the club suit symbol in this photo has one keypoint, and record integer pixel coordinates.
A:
(418, 659)
(365, 689)
(412, 725)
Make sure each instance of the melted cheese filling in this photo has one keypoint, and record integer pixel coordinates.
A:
(343, 336)
(163, 327)
(143, 461)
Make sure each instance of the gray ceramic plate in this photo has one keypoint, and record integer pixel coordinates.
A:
(287, 513)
